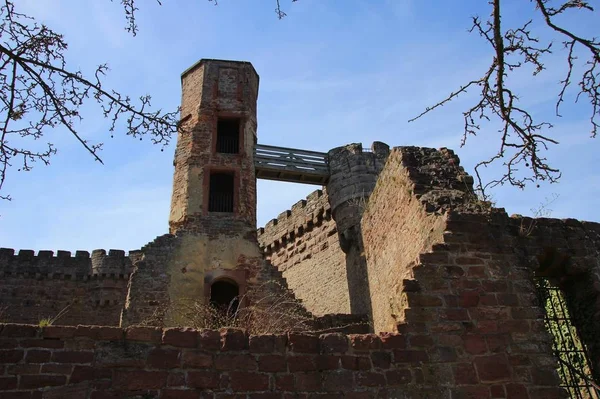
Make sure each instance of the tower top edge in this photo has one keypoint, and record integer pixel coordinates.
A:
(216, 61)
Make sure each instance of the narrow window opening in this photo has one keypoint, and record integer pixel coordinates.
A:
(220, 197)
(224, 295)
(228, 135)
(572, 355)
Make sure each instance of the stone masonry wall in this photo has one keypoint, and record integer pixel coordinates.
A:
(107, 362)
(303, 244)
(445, 272)
(88, 290)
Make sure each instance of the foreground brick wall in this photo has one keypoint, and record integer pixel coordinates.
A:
(88, 289)
(303, 244)
(445, 270)
(105, 362)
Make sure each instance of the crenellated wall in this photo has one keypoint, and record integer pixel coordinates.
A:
(303, 244)
(85, 289)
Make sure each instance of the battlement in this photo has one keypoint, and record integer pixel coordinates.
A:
(294, 222)
(81, 266)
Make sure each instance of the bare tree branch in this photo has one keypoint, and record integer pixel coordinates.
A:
(523, 140)
(38, 92)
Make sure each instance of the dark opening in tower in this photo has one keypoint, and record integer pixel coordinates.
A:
(228, 135)
(224, 295)
(220, 198)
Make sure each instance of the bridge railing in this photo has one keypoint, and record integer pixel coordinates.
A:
(290, 164)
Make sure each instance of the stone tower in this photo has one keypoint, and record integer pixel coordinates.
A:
(214, 186)
(213, 206)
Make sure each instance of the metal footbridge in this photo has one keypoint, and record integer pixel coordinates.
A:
(291, 165)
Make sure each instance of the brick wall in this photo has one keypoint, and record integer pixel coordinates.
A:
(89, 290)
(106, 362)
(444, 270)
(303, 244)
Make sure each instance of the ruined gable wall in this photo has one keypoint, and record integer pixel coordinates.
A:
(303, 244)
(90, 290)
(464, 300)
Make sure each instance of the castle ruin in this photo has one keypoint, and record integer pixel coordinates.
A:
(418, 288)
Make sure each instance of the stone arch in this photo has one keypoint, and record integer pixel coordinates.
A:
(224, 293)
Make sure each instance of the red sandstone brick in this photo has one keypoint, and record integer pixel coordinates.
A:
(11, 355)
(410, 356)
(544, 376)
(453, 340)
(370, 379)
(262, 343)
(248, 381)
(59, 332)
(203, 379)
(139, 380)
(468, 299)
(365, 342)
(515, 326)
(340, 380)
(88, 373)
(471, 392)
(197, 360)
(265, 395)
(308, 381)
(159, 358)
(493, 368)
(356, 362)
(392, 341)
(272, 363)
(301, 363)
(235, 362)
(381, 360)
(8, 383)
(476, 271)
(497, 391)
(464, 374)
(20, 395)
(180, 337)
(209, 340)
(144, 334)
(454, 314)
(454, 271)
(516, 391)
(72, 357)
(40, 381)
(442, 354)
(303, 343)
(233, 339)
(418, 341)
(18, 369)
(475, 344)
(176, 380)
(487, 300)
(398, 377)
(486, 326)
(54, 368)
(18, 330)
(327, 362)
(43, 343)
(100, 333)
(8, 343)
(333, 343)
(284, 382)
(533, 312)
(179, 394)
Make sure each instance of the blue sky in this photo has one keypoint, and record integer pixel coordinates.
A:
(331, 73)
